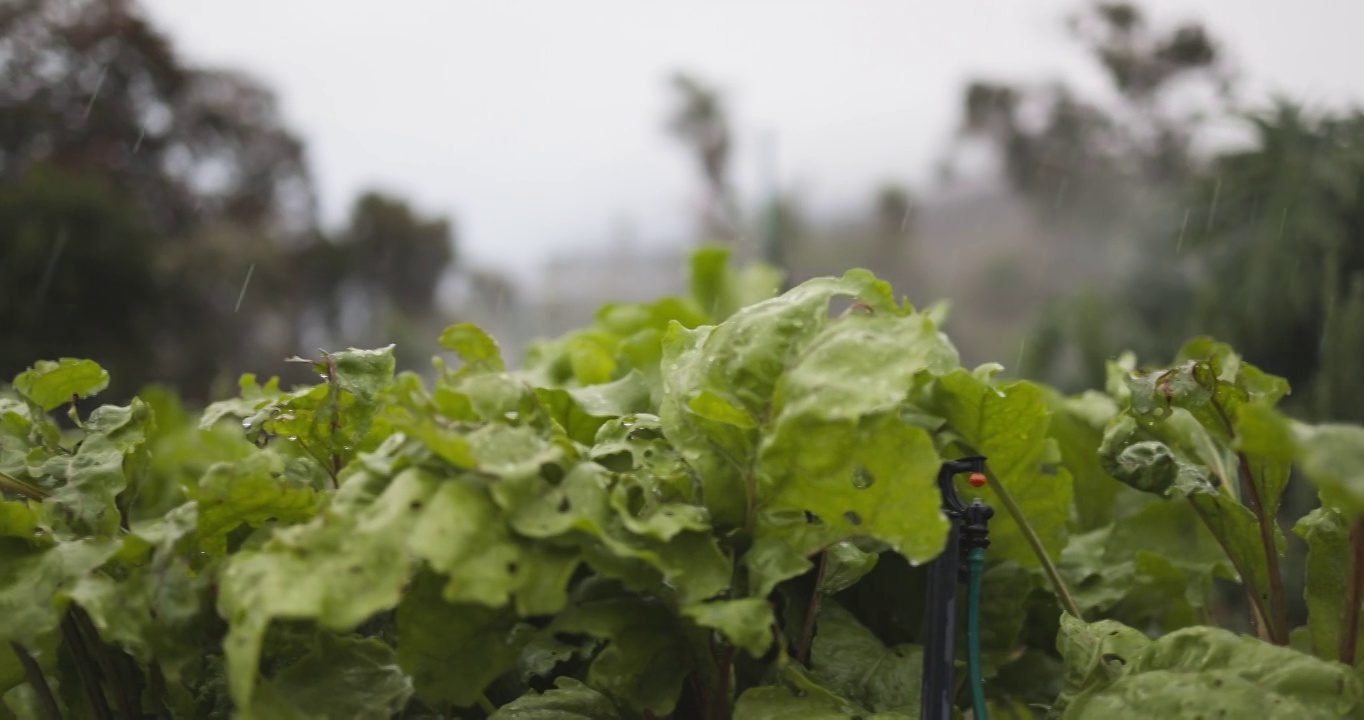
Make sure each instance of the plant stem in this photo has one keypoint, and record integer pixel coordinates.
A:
(1349, 636)
(156, 688)
(34, 674)
(335, 392)
(698, 696)
(807, 633)
(1059, 585)
(102, 655)
(1277, 617)
(722, 692)
(21, 488)
(1252, 594)
(485, 704)
(85, 668)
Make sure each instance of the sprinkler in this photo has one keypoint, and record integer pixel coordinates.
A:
(963, 560)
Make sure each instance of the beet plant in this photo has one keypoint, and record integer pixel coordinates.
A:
(710, 506)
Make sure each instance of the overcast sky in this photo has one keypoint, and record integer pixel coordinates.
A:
(538, 126)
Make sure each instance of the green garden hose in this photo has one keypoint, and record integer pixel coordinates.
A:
(975, 564)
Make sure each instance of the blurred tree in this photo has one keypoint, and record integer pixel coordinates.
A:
(1083, 159)
(1279, 236)
(160, 218)
(700, 121)
(91, 87)
(1106, 176)
(397, 254)
(894, 222)
(157, 160)
(390, 262)
(105, 293)
(1261, 246)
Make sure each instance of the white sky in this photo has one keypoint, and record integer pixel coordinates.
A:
(539, 126)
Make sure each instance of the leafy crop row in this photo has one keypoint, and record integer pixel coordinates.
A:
(705, 507)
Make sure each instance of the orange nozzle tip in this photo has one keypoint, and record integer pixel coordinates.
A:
(976, 479)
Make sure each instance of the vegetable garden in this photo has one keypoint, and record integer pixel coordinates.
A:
(715, 506)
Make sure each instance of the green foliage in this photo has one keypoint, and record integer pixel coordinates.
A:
(1117, 672)
(699, 507)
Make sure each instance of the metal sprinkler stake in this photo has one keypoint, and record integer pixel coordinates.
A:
(961, 561)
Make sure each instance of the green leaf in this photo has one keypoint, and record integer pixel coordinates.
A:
(739, 362)
(592, 360)
(747, 622)
(690, 562)
(1077, 425)
(721, 290)
(52, 384)
(1008, 424)
(156, 607)
(460, 532)
(34, 584)
(1153, 569)
(1327, 534)
(453, 651)
(883, 487)
(845, 564)
(1265, 439)
(92, 478)
(449, 445)
(850, 661)
(581, 412)
(634, 446)
(366, 373)
(569, 700)
(1197, 672)
(1162, 469)
(22, 519)
(772, 559)
(476, 348)
(1168, 529)
(335, 570)
(1095, 653)
(1005, 587)
(252, 491)
(253, 398)
(646, 656)
(838, 448)
(779, 703)
(1332, 458)
(339, 677)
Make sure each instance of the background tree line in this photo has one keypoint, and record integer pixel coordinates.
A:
(1143, 239)
(1260, 245)
(160, 218)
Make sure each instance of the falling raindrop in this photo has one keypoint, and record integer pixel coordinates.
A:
(1021, 345)
(98, 84)
(51, 263)
(138, 144)
(245, 282)
(1212, 207)
(1182, 227)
